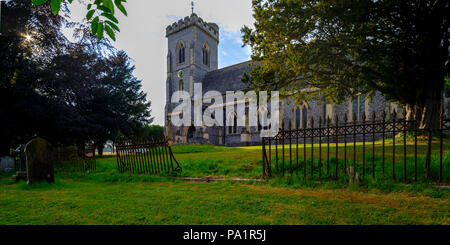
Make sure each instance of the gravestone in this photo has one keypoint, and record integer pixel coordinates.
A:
(39, 162)
(354, 177)
(7, 164)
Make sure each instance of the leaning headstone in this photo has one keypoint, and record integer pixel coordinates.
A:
(39, 161)
(354, 177)
(6, 163)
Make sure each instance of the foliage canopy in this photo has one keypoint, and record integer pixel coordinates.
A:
(332, 50)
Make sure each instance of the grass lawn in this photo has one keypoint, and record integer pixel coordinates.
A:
(108, 197)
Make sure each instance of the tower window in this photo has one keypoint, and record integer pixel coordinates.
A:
(205, 54)
(180, 86)
(181, 52)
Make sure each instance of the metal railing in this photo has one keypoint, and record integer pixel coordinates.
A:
(395, 148)
(70, 158)
(146, 157)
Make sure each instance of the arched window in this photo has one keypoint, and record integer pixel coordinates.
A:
(358, 108)
(264, 123)
(235, 124)
(205, 54)
(304, 116)
(169, 62)
(181, 86)
(181, 52)
(232, 119)
(301, 116)
(298, 119)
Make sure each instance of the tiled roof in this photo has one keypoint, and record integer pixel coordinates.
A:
(226, 79)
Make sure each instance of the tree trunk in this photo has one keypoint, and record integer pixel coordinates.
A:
(428, 116)
(100, 149)
(413, 112)
(431, 116)
(81, 147)
(428, 119)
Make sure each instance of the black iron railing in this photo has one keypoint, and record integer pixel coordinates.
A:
(329, 149)
(76, 160)
(146, 157)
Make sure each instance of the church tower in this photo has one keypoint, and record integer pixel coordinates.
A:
(192, 53)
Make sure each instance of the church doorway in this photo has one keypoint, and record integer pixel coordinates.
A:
(190, 134)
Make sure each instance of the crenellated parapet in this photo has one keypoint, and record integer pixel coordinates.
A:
(211, 28)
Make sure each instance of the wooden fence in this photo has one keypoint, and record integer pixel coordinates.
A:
(146, 157)
(330, 149)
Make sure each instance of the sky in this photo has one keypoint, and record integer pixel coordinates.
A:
(142, 37)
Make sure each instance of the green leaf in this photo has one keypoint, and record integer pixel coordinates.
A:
(104, 9)
(114, 26)
(55, 6)
(111, 17)
(38, 2)
(121, 7)
(89, 6)
(100, 31)
(110, 32)
(90, 14)
(94, 25)
(109, 4)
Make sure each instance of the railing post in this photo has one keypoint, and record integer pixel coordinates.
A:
(276, 153)
(394, 125)
(320, 148)
(364, 144)
(312, 147)
(118, 161)
(283, 137)
(304, 148)
(337, 145)
(345, 142)
(441, 142)
(270, 158)
(328, 145)
(405, 125)
(296, 141)
(290, 148)
(383, 126)
(373, 143)
(263, 158)
(415, 146)
(354, 147)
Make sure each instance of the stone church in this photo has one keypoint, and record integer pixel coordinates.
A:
(193, 58)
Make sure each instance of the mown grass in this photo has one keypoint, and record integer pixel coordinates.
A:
(71, 201)
(109, 197)
(246, 162)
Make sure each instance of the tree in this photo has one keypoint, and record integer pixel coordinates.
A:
(149, 132)
(99, 12)
(68, 93)
(331, 50)
(119, 103)
(29, 38)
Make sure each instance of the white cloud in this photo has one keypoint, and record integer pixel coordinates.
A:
(142, 35)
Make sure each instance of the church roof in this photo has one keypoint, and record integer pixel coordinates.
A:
(226, 79)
